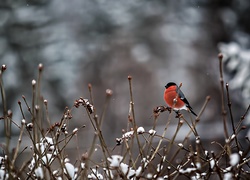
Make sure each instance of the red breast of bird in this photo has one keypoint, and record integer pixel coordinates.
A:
(173, 99)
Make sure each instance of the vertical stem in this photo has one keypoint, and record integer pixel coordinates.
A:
(162, 137)
(35, 124)
(7, 119)
(39, 99)
(231, 117)
(133, 115)
(220, 56)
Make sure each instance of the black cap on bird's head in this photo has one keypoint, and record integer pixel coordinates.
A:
(170, 84)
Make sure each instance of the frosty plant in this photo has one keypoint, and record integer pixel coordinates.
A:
(140, 153)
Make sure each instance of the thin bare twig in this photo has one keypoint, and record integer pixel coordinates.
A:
(220, 57)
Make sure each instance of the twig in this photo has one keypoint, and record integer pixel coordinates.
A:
(242, 119)
(133, 115)
(231, 117)
(220, 56)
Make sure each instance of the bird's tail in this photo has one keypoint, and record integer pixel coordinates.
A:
(191, 110)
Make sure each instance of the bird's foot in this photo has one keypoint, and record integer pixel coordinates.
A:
(178, 114)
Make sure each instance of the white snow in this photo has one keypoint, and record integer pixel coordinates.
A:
(70, 170)
(234, 159)
(115, 160)
(140, 130)
(39, 172)
(152, 132)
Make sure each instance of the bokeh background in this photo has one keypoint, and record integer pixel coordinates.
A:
(103, 41)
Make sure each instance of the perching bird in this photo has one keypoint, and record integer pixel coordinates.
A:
(175, 98)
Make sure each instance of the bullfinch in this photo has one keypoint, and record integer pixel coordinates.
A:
(175, 98)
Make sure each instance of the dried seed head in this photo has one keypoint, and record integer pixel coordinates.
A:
(40, 67)
(9, 113)
(4, 67)
(109, 92)
(220, 56)
(75, 130)
(129, 77)
(23, 121)
(85, 156)
(181, 121)
(45, 102)
(180, 145)
(33, 82)
(37, 107)
(29, 126)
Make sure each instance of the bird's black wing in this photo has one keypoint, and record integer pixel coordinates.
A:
(183, 98)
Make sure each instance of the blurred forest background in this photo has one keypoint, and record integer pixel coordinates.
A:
(103, 41)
